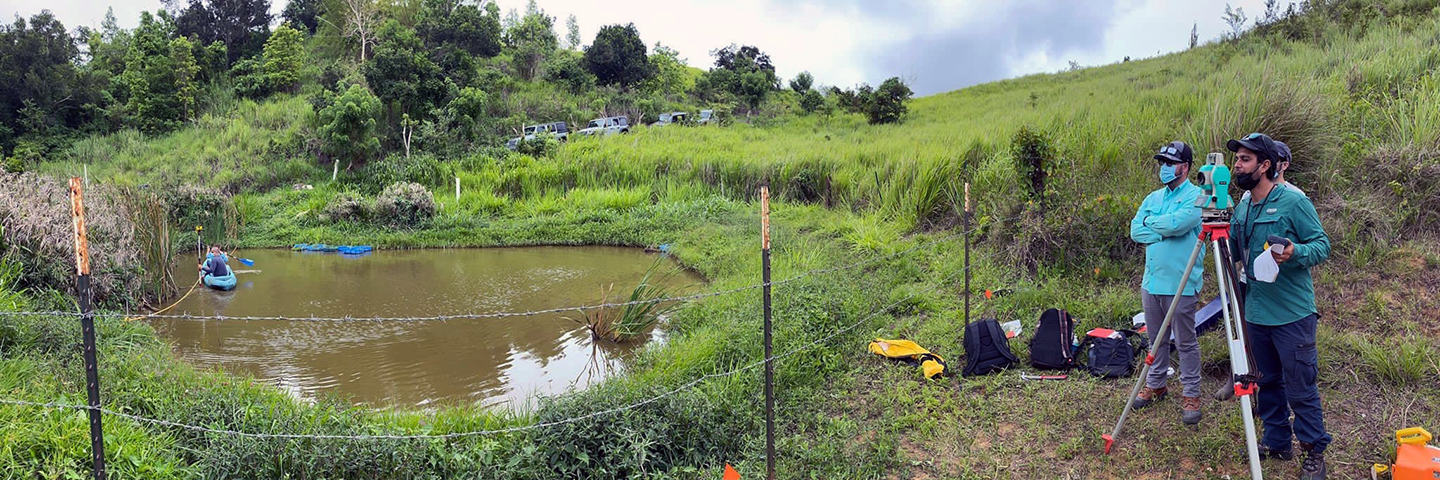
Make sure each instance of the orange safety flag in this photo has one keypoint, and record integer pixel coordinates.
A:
(730, 473)
(989, 294)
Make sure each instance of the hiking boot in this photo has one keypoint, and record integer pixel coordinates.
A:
(1190, 410)
(1266, 453)
(1313, 466)
(1147, 396)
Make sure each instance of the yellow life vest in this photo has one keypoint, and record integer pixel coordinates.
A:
(908, 352)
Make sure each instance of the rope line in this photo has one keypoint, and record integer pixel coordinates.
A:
(666, 394)
(172, 305)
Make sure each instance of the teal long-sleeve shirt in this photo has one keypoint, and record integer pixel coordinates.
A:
(1168, 224)
(1284, 213)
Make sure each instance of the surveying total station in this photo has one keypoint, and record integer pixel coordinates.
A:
(1216, 209)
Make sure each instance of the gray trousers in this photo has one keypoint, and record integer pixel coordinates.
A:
(1185, 341)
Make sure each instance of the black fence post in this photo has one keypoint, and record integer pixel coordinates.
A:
(87, 326)
(769, 358)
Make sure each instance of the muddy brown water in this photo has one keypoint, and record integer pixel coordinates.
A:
(422, 363)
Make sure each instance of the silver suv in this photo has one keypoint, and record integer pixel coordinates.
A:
(607, 126)
(708, 117)
(558, 129)
(671, 118)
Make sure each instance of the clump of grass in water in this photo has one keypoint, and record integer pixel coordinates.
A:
(151, 217)
(629, 322)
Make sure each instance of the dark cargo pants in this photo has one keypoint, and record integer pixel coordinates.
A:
(1287, 359)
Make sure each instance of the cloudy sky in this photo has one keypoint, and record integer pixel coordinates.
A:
(936, 46)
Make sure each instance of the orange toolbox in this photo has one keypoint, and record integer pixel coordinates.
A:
(1414, 460)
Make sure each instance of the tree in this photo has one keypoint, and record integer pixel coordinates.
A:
(43, 96)
(182, 58)
(150, 76)
(802, 82)
(358, 20)
(617, 57)
(812, 101)
(401, 73)
(887, 103)
(852, 101)
(1194, 34)
(242, 25)
(572, 33)
(512, 19)
(284, 56)
(534, 40)
(671, 75)
(452, 23)
(347, 126)
(458, 128)
(1235, 19)
(568, 69)
(302, 14)
(744, 72)
(747, 57)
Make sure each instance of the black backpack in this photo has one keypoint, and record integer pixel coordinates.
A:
(987, 350)
(1114, 357)
(1050, 347)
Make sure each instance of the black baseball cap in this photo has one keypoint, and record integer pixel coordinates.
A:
(1176, 151)
(1260, 143)
(1283, 150)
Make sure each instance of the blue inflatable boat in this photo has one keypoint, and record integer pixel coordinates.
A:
(226, 282)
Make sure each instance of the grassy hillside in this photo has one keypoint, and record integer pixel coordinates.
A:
(1357, 100)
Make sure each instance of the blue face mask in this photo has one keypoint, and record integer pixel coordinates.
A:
(1167, 173)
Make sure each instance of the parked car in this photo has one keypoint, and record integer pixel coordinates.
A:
(607, 126)
(671, 118)
(558, 129)
(708, 117)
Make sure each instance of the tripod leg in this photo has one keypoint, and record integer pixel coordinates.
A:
(1227, 392)
(1161, 337)
(1239, 359)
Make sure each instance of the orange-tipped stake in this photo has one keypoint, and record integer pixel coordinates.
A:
(1109, 442)
(989, 294)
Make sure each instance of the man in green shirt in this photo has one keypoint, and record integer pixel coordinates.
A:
(1280, 315)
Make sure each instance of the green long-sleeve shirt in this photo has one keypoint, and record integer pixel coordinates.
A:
(1283, 213)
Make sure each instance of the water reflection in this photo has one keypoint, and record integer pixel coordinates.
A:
(486, 361)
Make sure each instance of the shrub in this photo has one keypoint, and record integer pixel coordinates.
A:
(1032, 151)
(35, 220)
(404, 204)
(540, 146)
(344, 207)
(686, 429)
(887, 103)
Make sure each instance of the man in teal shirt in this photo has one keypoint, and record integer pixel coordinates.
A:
(1280, 316)
(1168, 224)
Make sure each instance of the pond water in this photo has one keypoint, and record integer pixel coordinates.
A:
(485, 361)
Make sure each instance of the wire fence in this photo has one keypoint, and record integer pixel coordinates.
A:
(599, 413)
